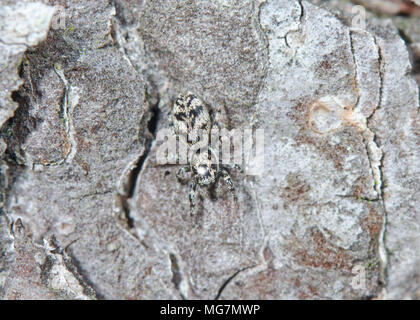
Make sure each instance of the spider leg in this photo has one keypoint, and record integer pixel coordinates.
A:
(226, 177)
(193, 189)
(216, 121)
(220, 118)
(172, 127)
(181, 173)
(233, 166)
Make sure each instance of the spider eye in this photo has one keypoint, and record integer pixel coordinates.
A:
(202, 170)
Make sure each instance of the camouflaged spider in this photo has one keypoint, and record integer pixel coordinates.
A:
(191, 117)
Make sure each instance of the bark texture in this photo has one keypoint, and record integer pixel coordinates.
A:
(88, 213)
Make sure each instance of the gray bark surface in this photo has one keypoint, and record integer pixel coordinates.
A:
(88, 213)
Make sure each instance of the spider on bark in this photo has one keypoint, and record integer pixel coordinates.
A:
(192, 119)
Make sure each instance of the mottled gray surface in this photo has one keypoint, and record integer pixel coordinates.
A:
(88, 213)
(21, 26)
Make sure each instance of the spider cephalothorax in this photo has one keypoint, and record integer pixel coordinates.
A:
(192, 119)
(203, 168)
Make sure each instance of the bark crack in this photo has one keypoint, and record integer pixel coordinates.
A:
(179, 278)
(302, 11)
(56, 256)
(228, 280)
(263, 37)
(13, 43)
(122, 207)
(381, 77)
(383, 255)
(129, 180)
(117, 39)
(369, 139)
(355, 68)
(375, 156)
(69, 100)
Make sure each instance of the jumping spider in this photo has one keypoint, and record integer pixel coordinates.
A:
(192, 118)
